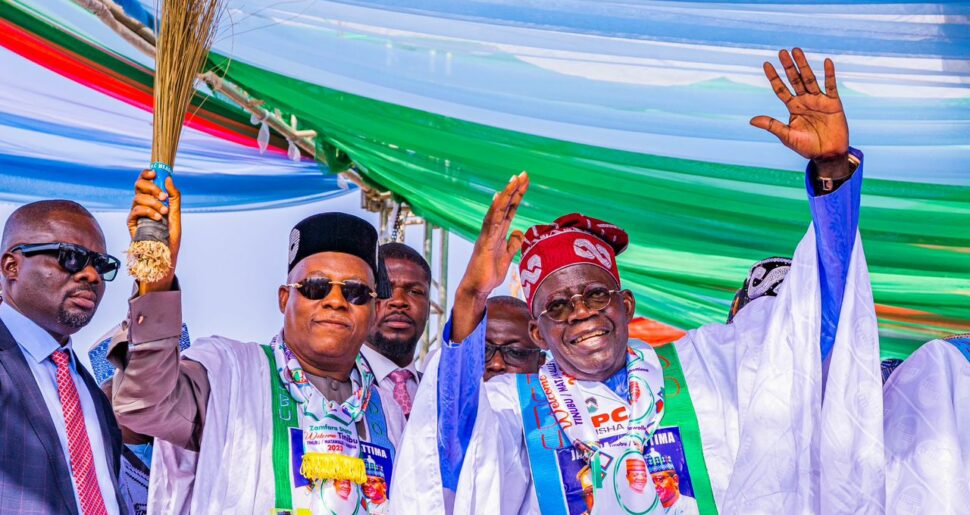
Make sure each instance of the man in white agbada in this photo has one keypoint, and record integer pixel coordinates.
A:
(737, 409)
(927, 402)
(295, 425)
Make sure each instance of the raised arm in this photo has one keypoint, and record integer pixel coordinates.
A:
(154, 391)
(817, 130)
(462, 364)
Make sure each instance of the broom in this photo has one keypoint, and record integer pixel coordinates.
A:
(185, 36)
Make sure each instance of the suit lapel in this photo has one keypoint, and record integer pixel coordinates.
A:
(39, 417)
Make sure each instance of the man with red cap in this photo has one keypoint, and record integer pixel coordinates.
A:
(735, 409)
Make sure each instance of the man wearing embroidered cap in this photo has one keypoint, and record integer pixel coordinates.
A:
(246, 428)
(738, 406)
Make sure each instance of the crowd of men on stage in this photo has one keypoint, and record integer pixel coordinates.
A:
(542, 405)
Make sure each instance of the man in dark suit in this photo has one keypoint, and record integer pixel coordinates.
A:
(60, 446)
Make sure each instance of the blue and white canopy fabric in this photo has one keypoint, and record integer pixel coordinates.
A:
(635, 112)
(678, 79)
(62, 139)
(668, 78)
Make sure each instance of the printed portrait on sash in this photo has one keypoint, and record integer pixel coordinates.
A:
(630, 475)
(342, 498)
(667, 465)
(379, 468)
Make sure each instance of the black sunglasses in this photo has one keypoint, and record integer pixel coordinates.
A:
(510, 355)
(316, 288)
(595, 298)
(74, 258)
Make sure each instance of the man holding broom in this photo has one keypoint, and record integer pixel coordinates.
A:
(295, 424)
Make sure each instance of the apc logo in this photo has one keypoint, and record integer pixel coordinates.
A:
(531, 274)
(589, 250)
(620, 414)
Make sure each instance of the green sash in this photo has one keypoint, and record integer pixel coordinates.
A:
(548, 448)
(284, 418)
(679, 411)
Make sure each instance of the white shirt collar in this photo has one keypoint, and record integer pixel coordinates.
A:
(32, 338)
(381, 366)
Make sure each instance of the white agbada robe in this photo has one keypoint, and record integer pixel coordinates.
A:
(233, 470)
(770, 444)
(927, 401)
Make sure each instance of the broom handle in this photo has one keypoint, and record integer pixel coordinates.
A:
(155, 230)
(162, 172)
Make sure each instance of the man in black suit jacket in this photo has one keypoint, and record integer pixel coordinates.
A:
(60, 446)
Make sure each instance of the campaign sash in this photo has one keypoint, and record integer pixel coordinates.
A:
(288, 449)
(558, 467)
(613, 474)
(679, 414)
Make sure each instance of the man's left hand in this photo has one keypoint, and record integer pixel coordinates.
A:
(817, 128)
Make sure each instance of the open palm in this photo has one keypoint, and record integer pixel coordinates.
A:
(491, 257)
(495, 247)
(817, 128)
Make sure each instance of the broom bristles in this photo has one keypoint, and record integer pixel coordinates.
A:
(184, 40)
(185, 37)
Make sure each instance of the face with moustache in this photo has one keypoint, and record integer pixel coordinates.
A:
(326, 334)
(401, 319)
(39, 288)
(588, 345)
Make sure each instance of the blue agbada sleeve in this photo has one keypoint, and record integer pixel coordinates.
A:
(461, 370)
(835, 216)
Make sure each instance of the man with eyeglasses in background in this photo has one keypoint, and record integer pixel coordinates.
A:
(60, 447)
(289, 426)
(736, 409)
(508, 347)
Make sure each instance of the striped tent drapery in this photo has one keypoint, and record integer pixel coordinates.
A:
(636, 112)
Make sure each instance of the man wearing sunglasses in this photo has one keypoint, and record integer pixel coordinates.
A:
(284, 425)
(508, 347)
(737, 409)
(60, 447)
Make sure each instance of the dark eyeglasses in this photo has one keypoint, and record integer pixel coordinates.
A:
(595, 298)
(316, 288)
(510, 355)
(74, 258)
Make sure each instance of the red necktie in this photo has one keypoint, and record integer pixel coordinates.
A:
(400, 379)
(79, 446)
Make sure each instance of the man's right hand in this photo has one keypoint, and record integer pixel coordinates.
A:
(490, 260)
(149, 203)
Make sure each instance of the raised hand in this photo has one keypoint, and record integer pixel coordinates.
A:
(493, 253)
(149, 203)
(817, 127)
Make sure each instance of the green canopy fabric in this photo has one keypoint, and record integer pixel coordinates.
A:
(695, 227)
(641, 124)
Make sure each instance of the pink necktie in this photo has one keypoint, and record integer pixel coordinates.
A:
(79, 446)
(400, 379)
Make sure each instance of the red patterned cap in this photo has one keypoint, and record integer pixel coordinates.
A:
(571, 239)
